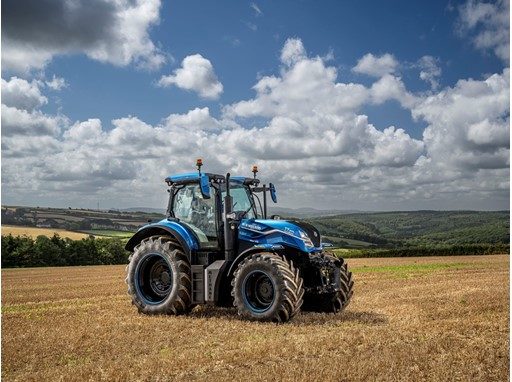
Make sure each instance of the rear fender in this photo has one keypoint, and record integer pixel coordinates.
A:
(165, 228)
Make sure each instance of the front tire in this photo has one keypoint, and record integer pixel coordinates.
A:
(267, 287)
(159, 277)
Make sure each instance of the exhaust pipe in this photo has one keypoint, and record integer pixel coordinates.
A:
(229, 224)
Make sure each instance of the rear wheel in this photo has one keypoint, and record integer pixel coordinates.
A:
(267, 287)
(158, 277)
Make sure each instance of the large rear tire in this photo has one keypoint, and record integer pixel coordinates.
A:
(159, 277)
(337, 301)
(267, 287)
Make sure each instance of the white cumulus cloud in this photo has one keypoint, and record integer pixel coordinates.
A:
(469, 124)
(488, 25)
(22, 94)
(197, 74)
(112, 31)
(293, 51)
(376, 66)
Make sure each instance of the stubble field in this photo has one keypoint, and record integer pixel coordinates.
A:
(411, 319)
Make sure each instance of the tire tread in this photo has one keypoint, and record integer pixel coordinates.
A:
(291, 286)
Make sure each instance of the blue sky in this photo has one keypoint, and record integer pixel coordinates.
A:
(107, 77)
(221, 31)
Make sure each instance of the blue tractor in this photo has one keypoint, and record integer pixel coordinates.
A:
(217, 246)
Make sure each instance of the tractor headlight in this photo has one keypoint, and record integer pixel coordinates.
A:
(305, 238)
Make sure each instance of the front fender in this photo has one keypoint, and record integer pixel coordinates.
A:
(165, 227)
(275, 248)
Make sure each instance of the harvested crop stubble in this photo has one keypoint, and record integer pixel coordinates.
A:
(411, 319)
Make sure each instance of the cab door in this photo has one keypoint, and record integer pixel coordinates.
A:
(198, 214)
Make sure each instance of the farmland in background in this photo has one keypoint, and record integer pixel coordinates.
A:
(414, 319)
(383, 234)
(34, 232)
(354, 230)
(109, 233)
(111, 223)
(415, 228)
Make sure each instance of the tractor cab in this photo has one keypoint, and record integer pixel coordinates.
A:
(197, 201)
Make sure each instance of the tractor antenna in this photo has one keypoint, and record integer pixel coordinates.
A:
(199, 163)
(254, 170)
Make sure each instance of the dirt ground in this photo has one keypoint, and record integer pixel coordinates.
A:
(411, 319)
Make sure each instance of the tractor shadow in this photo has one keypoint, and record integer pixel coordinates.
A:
(349, 316)
(304, 318)
(214, 312)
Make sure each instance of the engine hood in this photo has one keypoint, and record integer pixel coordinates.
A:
(310, 230)
(289, 227)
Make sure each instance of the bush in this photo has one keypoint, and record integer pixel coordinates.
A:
(22, 251)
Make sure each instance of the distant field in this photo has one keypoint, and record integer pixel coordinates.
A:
(35, 232)
(351, 242)
(109, 233)
(355, 231)
(411, 319)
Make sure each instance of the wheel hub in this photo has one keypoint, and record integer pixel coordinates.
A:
(265, 290)
(259, 291)
(165, 277)
(154, 278)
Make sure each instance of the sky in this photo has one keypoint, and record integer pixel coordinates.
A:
(347, 105)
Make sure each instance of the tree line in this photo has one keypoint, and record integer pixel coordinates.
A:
(22, 251)
(445, 250)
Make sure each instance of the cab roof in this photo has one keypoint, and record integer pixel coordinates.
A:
(190, 177)
(193, 177)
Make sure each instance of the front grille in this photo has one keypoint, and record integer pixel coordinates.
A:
(310, 230)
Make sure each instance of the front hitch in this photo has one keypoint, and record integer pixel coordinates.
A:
(322, 275)
(328, 285)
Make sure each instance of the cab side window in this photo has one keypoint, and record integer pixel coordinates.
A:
(190, 207)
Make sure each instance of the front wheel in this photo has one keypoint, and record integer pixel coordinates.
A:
(267, 287)
(158, 277)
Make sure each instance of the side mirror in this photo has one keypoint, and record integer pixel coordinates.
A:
(273, 194)
(204, 183)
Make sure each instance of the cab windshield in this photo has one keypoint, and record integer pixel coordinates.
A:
(242, 202)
